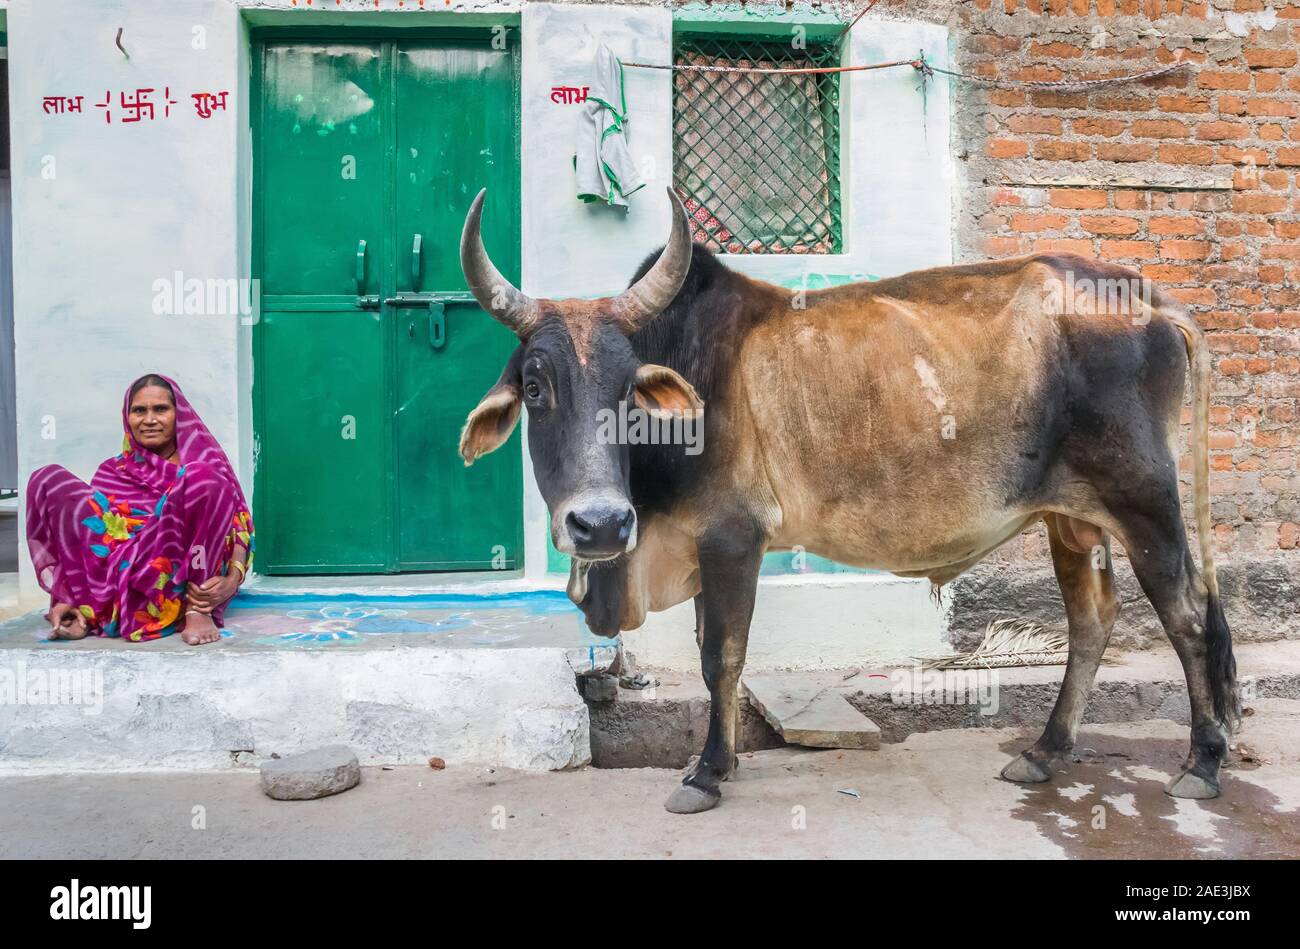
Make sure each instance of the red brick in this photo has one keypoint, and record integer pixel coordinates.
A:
(1122, 104)
(1037, 74)
(1039, 124)
(1259, 203)
(1171, 273)
(1194, 296)
(1110, 224)
(1090, 125)
(1232, 155)
(1062, 245)
(1175, 225)
(1160, 128)
(1223, 80)
(1289, 157)
(1273, 107)
(1046, 99)
(1002, 246)
(1172, 154)
(1184, 250)
(1132, 200)
(1007, 98)
(1056, 50)
(1055, 150)
(1007, 148)
(1121, 151)
(1219, 131)
(1032, 223)
(1270, 58)
(1183, 104)
(1077, 198)
(1232, 105)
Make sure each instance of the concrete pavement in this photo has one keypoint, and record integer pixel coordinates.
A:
(936, 795)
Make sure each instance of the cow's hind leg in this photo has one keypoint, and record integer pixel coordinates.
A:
(1083, 570)
(1157, 547)
(729, 563)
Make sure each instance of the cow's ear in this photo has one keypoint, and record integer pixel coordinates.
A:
(663, 393)
(494, 418)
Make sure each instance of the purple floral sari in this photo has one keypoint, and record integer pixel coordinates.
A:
(122, 549)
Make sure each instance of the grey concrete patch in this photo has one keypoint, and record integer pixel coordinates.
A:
(664, 726)
(311, 774)
(811, 713)
(1259, 597)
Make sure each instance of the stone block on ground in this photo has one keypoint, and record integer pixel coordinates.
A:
(806, 711)
(311, 774)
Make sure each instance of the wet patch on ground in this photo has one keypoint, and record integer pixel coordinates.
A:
(1108, 801)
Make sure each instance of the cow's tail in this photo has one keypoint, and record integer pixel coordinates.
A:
(1218, 638)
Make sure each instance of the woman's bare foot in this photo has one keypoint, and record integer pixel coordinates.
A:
(199, 629)
(66, 622)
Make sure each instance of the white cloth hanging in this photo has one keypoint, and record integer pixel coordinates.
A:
(604, 166)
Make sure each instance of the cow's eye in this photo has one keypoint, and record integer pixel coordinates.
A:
(533, 391)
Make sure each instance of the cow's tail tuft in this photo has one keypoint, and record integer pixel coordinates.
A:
(1222, 666)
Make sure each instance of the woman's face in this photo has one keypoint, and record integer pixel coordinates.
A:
(152, 418)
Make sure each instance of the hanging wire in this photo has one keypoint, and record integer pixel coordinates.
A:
(926, 69)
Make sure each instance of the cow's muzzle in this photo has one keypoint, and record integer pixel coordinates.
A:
(596, 528)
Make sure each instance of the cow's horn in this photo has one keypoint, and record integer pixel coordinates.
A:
(494, 292)
(644, 300)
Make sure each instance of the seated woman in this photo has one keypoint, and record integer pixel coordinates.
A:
(158, 542)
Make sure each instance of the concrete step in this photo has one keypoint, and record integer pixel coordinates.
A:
(663, 727)
(471, 679)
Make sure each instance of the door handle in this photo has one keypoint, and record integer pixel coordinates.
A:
(415, 262)
(437, 324)
(365, 302)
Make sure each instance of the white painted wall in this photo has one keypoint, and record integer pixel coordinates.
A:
(129, 204)
(103, 210)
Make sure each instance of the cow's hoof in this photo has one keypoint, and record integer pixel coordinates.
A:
(688, 799)
(1193, 787)
(1024, 771)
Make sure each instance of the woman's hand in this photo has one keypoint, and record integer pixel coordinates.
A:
(66, 622)
(211, 593)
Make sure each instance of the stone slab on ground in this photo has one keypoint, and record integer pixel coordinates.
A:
(311, 774)
(805, 711)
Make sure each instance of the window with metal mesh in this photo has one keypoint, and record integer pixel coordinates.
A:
(756, 156)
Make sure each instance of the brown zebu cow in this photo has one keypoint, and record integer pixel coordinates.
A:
(912, 425)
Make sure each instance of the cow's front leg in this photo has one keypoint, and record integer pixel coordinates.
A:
(730, 556)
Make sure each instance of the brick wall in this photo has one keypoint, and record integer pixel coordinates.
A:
(1191, 178)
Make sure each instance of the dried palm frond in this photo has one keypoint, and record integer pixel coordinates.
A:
(1009, 642)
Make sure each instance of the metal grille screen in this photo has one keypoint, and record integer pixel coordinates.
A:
(756, 157)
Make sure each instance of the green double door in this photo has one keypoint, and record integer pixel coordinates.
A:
(369, 352)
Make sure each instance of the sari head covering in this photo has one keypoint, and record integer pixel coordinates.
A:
(123, 548)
